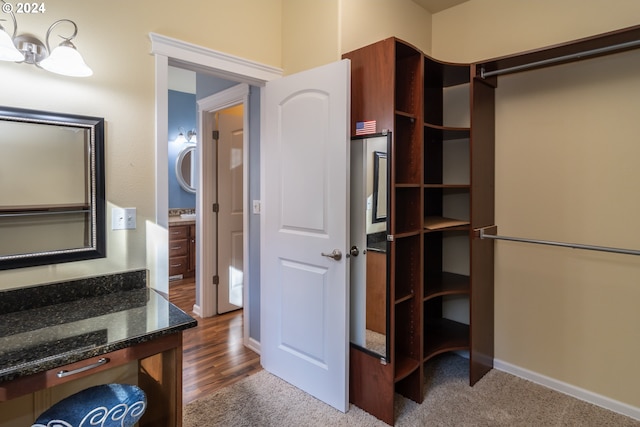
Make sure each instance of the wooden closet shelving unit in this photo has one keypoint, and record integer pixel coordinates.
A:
(406, 92)
(442, 168)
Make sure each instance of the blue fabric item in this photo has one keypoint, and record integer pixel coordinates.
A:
(107, 405)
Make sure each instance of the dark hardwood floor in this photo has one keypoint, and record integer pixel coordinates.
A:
(214, 355)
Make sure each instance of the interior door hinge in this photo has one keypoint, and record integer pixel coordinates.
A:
(216, 280)
(216, 207)
(215, 134)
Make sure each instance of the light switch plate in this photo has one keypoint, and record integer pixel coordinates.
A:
(130, 218)
(123, 218)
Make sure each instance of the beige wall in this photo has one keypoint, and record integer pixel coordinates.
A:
(113, 38)
(367, 21)
(483, 29)
(310, 34)
(318, 32)
(566, 170)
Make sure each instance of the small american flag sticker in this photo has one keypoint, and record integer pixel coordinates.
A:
(364, 128)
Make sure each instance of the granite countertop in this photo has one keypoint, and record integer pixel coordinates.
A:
(44, 327)
(176, 216)
(377, 242)
(176, 220)
(377, 247)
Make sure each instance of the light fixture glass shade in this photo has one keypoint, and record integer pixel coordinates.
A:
(8, 51)
(192, 136)
(180, 139)
(66, 60)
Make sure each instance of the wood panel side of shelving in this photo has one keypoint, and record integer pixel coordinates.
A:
(372, 84)
(371, 385)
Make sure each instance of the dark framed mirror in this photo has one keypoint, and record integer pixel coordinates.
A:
(379, 186)
(52, 188)
(369, 227)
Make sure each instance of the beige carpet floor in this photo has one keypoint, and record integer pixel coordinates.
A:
(499, 399)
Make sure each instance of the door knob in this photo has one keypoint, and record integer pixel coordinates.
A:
(354, 251)
(336, 255)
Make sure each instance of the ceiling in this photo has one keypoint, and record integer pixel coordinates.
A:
(435, 6)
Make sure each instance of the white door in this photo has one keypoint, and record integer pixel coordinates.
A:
(304, 295)
(230, 215)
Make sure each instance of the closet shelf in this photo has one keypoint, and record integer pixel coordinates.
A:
(437, 133)
(443, 283)
(407, 185)
(447, 186)
(405, 366)
(406, 115)
(434, 223)
(447, 128)
(442, 335)
(403, 298)
(406, 233)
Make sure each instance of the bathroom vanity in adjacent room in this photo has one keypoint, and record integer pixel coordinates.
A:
(182, 246)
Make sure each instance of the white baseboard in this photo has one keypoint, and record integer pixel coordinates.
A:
(197, 310)
(253, 344)
(568, 389)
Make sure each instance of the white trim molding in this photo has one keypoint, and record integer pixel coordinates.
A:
(253, 344)
(568, 389)
(226, 66)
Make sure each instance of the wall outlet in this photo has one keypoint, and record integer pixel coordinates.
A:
(123, 218)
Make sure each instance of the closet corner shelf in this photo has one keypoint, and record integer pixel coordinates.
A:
(442, 283)
(446, 133)
(405, 114)
(403, 298)
(444, 335)
(436, 223)
(447, 186)
(432, 126)
(406, 233)
(404, 367)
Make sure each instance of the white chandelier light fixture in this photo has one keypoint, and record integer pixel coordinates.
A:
(26, 48)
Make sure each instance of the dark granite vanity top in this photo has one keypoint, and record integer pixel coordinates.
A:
(44, 327)
(377, 242)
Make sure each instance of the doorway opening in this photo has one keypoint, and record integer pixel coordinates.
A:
(227, 192)
(167, 52)
(222, 203)
(229, 207)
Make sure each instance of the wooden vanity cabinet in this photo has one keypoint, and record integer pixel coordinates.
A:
(182, 250)
(440, 278)
(192, 250)
(158, 371)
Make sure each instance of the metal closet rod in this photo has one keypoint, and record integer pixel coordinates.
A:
(36, 213)
(484, 235)
(587, 53)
